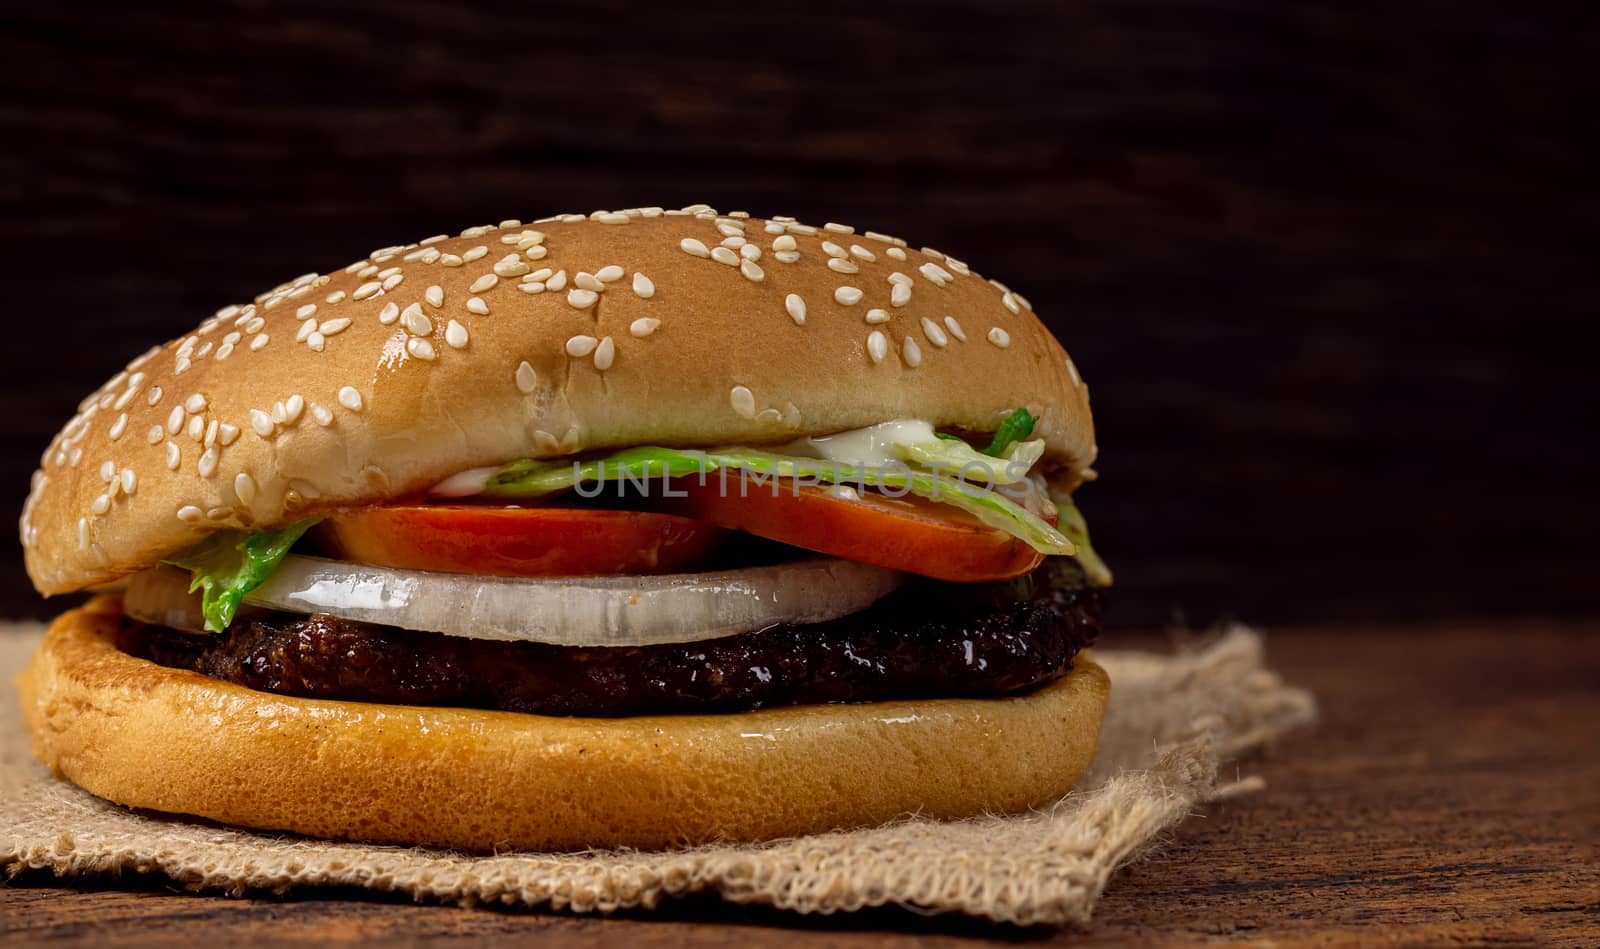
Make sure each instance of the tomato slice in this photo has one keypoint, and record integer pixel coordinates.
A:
(519, 541)
(907, 533)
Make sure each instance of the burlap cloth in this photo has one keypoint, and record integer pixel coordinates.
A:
(1171, 722)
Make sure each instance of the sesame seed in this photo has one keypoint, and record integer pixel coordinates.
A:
(1010, 300)
(259, 343)
(476, 253)
(262, 423)
(477, 305)
(557, 283)
(896, 252)
(796, 308)
(955, 328)
(245, 487)
(787, 256)
(483, 283)
(958, 266)
(773, 227)
(743, 401)
(130, 481)
(415, 321)
(728, 229)
(833, 250)
(582, 299)
(174, 456)
(643, 286)
(536, 252)
(785, 243)
(350, 398)
(420, 348)
(838, 228)
(934, 332)
(254, 325)
(752, 271)
(609, 273)
(737, 241)
(1000, 337)
(805, 229)
(605, 354)
(175, 420)
(102, 504)
(511, 266)
(367, 290)
(527, 379)
(292, 407)
(119, 426)
(370, 270)
(614, 217)
(155, 434)
(643, 326)
(205, 348)
(861, 252)
(534, 287)
(900, 295)
(227, 434)
(877, 346)
(936, 273)
(417, 254)
(530, 239)
(154, 396)
(207, 465)
(228, 312)
(197, 427)
(334, 327)
(693, 247)
(588, 281)
(581, 346)
(876, 316)
(108, 471)
(543, 273)
(434, 295)
(321, 413)
(190, 514)
(387, 315)
(847, 296)
(451, 260)
(316, 341)
(723, 255)
(455, 334)
(839, 265)
(750, 252)
(211, 434)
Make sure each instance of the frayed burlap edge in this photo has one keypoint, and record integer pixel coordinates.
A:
(1172, 721)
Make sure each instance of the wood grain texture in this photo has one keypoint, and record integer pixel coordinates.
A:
(1450, 796)
(1323, 263)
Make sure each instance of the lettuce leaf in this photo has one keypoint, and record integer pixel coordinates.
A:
(229, 564)
(529, 479)
(1070, 521)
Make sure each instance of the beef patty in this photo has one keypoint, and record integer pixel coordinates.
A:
(928, 639)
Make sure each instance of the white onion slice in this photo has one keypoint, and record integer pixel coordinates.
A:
(577, 611)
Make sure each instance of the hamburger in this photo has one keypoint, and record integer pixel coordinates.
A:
(640, 529)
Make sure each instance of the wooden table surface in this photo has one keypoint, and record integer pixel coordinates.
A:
(1450, 795)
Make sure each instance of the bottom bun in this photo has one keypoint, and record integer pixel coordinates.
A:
(148, 736)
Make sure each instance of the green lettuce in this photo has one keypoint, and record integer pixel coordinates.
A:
(529, 479)
(1070, 520)
(229, 564)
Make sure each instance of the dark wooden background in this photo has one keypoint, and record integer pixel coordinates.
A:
(1330, 267)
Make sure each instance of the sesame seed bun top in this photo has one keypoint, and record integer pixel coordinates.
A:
(574, 333)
